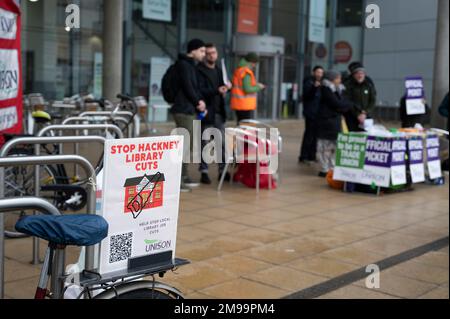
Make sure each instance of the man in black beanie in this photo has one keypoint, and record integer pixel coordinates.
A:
(360, 89)
(188, 100)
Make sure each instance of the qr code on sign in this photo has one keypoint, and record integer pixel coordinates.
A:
(120, 247)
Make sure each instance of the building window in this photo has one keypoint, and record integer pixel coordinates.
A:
(206, 14)
(349, 13)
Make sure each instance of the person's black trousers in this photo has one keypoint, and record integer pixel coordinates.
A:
(309, 144)
(244, 115)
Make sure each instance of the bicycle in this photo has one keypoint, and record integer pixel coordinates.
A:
(65, 230)
(65, 192)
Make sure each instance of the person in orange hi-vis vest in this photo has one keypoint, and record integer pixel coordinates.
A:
(245, 88)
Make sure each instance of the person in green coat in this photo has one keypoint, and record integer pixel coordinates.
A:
(361, 91)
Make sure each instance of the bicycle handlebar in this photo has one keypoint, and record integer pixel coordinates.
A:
(101, 102)
(124, 97)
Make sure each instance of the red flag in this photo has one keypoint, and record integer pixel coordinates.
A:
(10, 69)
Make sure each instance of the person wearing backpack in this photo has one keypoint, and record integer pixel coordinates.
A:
(187, 99)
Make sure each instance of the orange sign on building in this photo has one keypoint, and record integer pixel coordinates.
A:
(248, 16)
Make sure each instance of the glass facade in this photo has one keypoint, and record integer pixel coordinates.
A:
(56, 62)
(59, 62)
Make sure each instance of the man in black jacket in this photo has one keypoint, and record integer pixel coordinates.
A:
(360, 89)
(213, 89)
(188, 100)
(311, 102)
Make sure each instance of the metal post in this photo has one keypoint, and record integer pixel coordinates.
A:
(302, 24)
(57, 284)
(363, 30)
(74, 37)
(269, 17)
(182, 25)
(112, 48)
(333, 20)
(228, 31)
(22, 203)
(127, 46)
(441, 67)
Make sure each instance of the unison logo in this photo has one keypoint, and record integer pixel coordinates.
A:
(153, 245)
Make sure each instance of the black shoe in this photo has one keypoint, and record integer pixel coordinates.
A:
(205, 179)
(227, 177)
(322, 174)
(189, 183)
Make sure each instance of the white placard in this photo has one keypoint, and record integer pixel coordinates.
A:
(434, 169)
(141, 192)
(9, 74)
(8, 25)
(417, 173)
(373, 175)
(415, 106)
(160, 10)
(8, 117)
(317, 21)
(398, 175)
(225, 78)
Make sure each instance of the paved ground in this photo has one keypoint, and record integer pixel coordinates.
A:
(299, 236)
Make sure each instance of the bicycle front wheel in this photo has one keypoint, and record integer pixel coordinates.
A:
(141, 290)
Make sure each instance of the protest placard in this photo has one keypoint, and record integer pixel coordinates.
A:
(141, 186)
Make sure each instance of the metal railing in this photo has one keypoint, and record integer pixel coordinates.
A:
(12, 204)
(136, 122)
(79, 127)
(55, 159)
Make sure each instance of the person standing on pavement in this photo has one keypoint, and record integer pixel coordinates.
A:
(311, 103)
(332, 105)
(188, 100)
(213, 89)
(359, 89)
(443, 111)
(245, 88)
(411, 120)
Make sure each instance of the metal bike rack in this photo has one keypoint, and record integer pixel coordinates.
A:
(10, 204)
(57, 159)
(136, 128)
(51, 128)
(87, 119)
(91, 118)
(88, 127)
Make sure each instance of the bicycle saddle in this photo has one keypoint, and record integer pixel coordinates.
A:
(77, 230)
